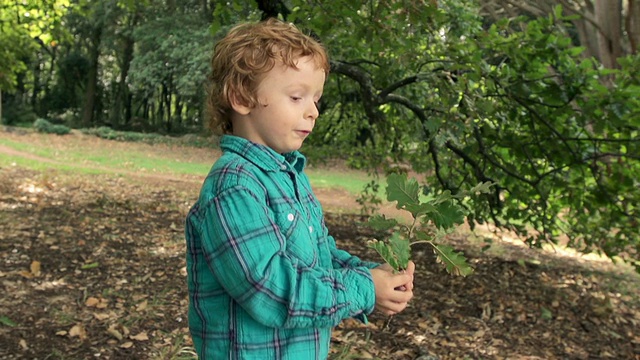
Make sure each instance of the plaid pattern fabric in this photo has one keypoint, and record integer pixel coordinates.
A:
(265, 278)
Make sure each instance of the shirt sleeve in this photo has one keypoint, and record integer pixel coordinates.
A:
(246, 252)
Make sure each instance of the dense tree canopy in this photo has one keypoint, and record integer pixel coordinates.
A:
(515, 93)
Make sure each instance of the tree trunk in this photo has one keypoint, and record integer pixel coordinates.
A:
(609, 17)
(37, 84)
(599, 26)
(178, 112)
(632, 25)
(92, 78)
(122, 96)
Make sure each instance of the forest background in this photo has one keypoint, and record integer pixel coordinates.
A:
(541, 98)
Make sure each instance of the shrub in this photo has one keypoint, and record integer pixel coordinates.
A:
(16, 114)
(44, 126)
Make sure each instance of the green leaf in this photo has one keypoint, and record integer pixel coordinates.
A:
(396, 252)
(401, 247)
(89, 266)
(545, 313)
(380, 222)
(385, 252)
(4, 320)
(446, 215)
(455, 263)
(404, 191)
(481, 188)
(420, 209)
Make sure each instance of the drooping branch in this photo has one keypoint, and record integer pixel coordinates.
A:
(371, 101)
(370, 98)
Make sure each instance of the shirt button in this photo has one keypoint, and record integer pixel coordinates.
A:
(283, 167)
(290, 217)
(310, 229)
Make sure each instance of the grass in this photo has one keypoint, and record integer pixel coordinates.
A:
(351, 181)
(70, 154)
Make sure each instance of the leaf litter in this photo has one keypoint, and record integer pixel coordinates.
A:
(93, 267)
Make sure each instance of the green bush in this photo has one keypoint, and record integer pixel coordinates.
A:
(15, 114)
(44, 126)
(108, 133)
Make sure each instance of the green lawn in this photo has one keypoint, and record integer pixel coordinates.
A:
(73, 154)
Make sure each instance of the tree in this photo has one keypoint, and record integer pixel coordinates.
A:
(514, 103)
(608, 29)
(170, 63)
(25, 28)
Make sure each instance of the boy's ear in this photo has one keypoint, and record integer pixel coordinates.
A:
(238, 105)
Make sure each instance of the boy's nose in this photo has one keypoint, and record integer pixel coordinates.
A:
(312, 111)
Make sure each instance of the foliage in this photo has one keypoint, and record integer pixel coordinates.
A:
(44, 126)
(429, 85)
(433, 216)
(108, 133)
(511, 102)
(17, 114)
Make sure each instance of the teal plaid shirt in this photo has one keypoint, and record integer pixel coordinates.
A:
(265, 278)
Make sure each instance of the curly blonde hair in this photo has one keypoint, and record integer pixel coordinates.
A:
(244, 55)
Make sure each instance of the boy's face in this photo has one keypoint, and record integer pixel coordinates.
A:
(287, 108)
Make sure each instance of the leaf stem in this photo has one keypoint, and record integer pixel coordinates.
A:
(422, 242)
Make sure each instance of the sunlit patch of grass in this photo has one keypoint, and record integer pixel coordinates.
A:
(353, 182)
(74, 155)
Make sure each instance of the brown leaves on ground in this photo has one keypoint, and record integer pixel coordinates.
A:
(93, 267)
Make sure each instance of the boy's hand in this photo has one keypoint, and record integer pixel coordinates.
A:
(393, 291)
(411, 268)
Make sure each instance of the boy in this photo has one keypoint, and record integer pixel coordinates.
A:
(266, 281)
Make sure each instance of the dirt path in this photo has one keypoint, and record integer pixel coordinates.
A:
(13, 152)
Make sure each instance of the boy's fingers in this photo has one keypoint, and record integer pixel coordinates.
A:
(401, 279)
(411, 268)
(401, 296)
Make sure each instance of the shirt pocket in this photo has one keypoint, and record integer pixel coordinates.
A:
(300, 243)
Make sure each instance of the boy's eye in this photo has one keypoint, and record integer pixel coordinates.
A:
(296, 98)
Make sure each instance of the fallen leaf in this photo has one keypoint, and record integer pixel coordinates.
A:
(35, 268)
(142, 306)
(4, 320)
(140, 337)
(26, 274)
(78, 331)
(23, 344)
(92, 302)
(101, 316)
(102, 304)
(127, 345)
(61, 333)
(114, 332)
(89, 266)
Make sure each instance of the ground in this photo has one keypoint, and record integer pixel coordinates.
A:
(92, 266)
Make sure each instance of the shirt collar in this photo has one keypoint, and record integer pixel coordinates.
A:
(263, 156)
